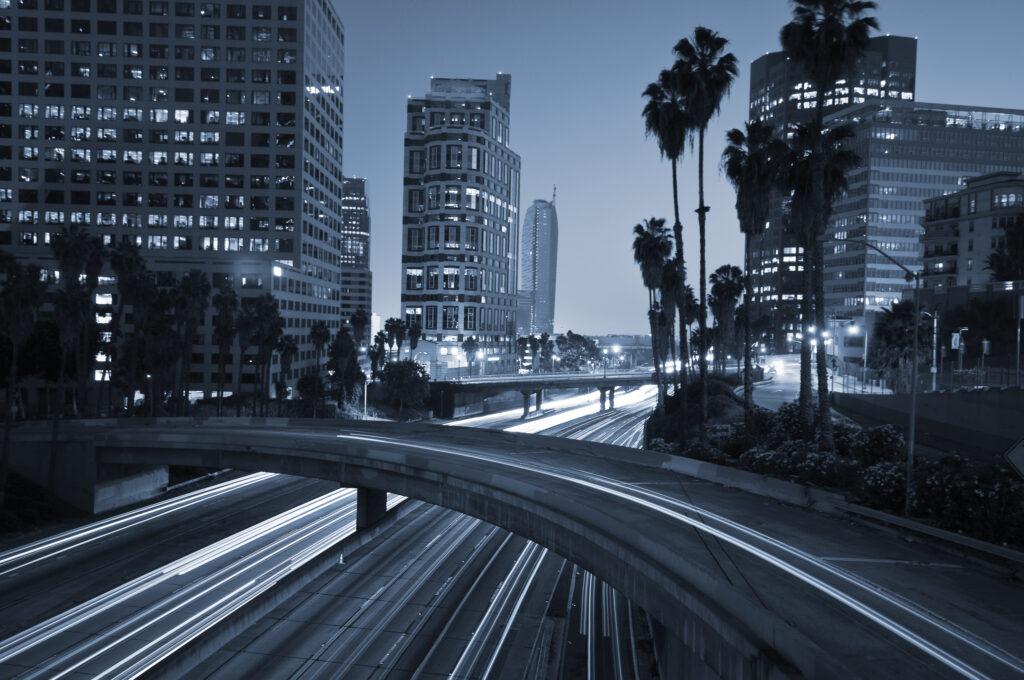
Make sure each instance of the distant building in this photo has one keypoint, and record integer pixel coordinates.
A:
(461, 217)
(538, 264)
(962, 230)
(356, 278)
(781, 95)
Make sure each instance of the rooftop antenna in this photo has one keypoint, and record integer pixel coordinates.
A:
(554, 193)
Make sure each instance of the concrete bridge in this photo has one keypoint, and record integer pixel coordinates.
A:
(448, 395)
(732, 601)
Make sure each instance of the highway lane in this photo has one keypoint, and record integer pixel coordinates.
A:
(42, 578)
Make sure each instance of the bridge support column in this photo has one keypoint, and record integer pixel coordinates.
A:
(526, 404)
(611, 397)
(539, 397)
(604, 396)
(371, 506)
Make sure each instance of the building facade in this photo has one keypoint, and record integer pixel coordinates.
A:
(207, 133)
(910, 152)
(538, 266)
(356, 277)
(461, 217)
(780, 95)
(962, 230)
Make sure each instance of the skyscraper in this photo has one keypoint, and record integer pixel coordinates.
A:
(538, 264)
(781, 95)
(356, 278)
(461, 199)
(209, 134)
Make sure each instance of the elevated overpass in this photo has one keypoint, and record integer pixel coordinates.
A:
(738, 603)
(446, 394)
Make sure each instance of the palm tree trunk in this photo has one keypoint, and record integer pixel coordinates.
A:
(12, 385)
(806, 315)
(220, 381)
(58, 413)
(654, 345)
(748, 379)
(703, 316)
(238, 381)
(825, 441)
(677, 233)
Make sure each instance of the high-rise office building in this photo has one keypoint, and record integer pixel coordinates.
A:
(461, 215)
(207, 133)
(538, 264)
(781, 95)
(356, 278)
(910, 152)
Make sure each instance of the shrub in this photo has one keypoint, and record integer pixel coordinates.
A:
(883, 486)
(661, 446)
(846, 438)
(878, 444)
(784, 459)
(823, 468)
(698, 450)
(787, 425)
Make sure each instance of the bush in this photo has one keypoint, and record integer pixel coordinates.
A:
(878, 444)
(787, 425)
(698, 450)
(823, 468)
(782, 460)
(883, 486)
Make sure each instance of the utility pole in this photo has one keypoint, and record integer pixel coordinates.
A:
(935, 349)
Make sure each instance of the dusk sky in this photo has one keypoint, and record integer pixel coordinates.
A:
(578, 69)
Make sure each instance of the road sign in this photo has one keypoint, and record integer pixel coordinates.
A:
(1015, 457)
(954, 341)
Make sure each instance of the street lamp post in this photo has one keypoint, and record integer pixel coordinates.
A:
(912, 424)
(605, 353)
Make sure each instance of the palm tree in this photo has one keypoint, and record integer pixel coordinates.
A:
(359, 321)
(415, 333)
(470, 346)
(319, 336)
(68, 306)
(21, 297)
(269, 329)
(727, 286)
(672, 298)
(651, 247)
(392, 328)
(667, 118)
(400, 332)
(246, 327)
(191, 300)
(342, 351)
(751, 161)
(376, 353)
(225, 329)
(132, 276)
(825, 38)
(703, 74)
(287, 349)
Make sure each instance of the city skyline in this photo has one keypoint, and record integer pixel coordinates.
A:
(547, 129)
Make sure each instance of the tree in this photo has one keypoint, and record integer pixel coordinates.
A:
(651, 247)
(225, 330)
(415, 333)
(470, 346)
(406, 383)
(246, 329)
(377, 353)
(341, 357)
(1007, 262)
(752, 161)
(547, 347)
(576, 350)
(726, 287)
(21, 298)
(319, 336)
(892, 342)
(268, 331)
(703, 72)
(534, 343)
(359, 321)
(191, 300)
(287, 350)
(824, 38)
(668, 119)
(672, 294)
(68, 306)
(394, 328)
(134, 284)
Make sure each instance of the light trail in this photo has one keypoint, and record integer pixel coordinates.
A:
(536, 425)
(641, 497)
(47, 548)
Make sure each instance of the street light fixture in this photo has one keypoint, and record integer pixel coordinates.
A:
(912, 425)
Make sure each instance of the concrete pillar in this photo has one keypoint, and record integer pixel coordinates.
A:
(371, 506)
(540, 397)
(604, 394)
(611, 397)
(526, 404)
